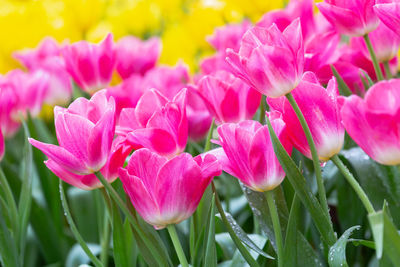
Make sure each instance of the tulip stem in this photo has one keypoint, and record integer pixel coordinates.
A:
(177, 245)
(105, 237)
(261, 117)
(276, 224)
(75, 231)
(387, 70)
(245, 253)
(375, 62)
(353, 182)
(313, 149)
(207, 144)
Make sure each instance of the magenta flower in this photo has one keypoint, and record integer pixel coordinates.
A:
(350, 17)
(270, 61)
(167, 191)
(388, 12)
(118, 154)
(373, 122)
(229, 99)
(247, 153)
(198, 117)
(2, 146)
(9, 121)
(135, 56)
(156, 123)
(228, 36)
(320, 109)
(85, 132)
(90, 65)
(385, 42)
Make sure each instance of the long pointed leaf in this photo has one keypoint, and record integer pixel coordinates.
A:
(337, 253)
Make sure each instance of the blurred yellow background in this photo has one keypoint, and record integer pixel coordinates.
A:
(181, 24)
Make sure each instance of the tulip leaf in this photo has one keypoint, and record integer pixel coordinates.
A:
(386, 236)
(241, 234)
(365, 243)
(8, 250)
(210, 254)
(290, 248)
(343, 87)
(119, 245)
(322, 222)
(337, 253)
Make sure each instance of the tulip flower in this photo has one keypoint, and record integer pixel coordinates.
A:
(167, 191)
(134, 56)
(9, 121)
(1, 145)
(373, 122)
(353, 17)
(385, 42)
(320, 109)
(85, 132)
(156, 123)
(118, 153)
(228, 36)
(229, 99)
(388, 12)
(269, 60)
(198, 117)
(247, 153)
(91, 66)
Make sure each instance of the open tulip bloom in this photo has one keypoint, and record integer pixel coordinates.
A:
(275, 141)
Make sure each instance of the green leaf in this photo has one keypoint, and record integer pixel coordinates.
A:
(343, 87)
(362, 242)
(210, 254)
(241, 234)
(386, 236)
(8, 250)
(337, 253)
(121, 257)
(322, 222)
(78, 257)
(290, 249)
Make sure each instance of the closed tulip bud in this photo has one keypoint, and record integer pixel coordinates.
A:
(247, 153)
(229, 99)
(85, 132)
(90, 65)
(269, 60)
(350, 17)
(167, 191)
(373, 122)
(321, 111)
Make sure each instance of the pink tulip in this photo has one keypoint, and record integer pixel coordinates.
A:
(156, 123)
(118, 154)
(350, 17)
(198, 117)
(228, 98)
(373, 122)
(167, 191)
(1, 145)
(135, 56)
(228, 36)
(47, 58)
(85, 132)
(247, 153)
(34, 58)
(270, 61)
(388, 12)
(320, 109)
(214, 63)
(31, 89)
(90, 65)
(9, 121)
(385, 42)
(168, 80)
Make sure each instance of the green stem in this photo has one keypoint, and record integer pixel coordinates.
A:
(387, 70)
(277, 226)
(313, 149)
(353, 182)
(261, 117)
(375, 62)
(75, 231)
(207, 144)
(245, 253)
(177, 245)
(105, 237)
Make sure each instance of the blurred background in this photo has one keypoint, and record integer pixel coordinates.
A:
(181, 24)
